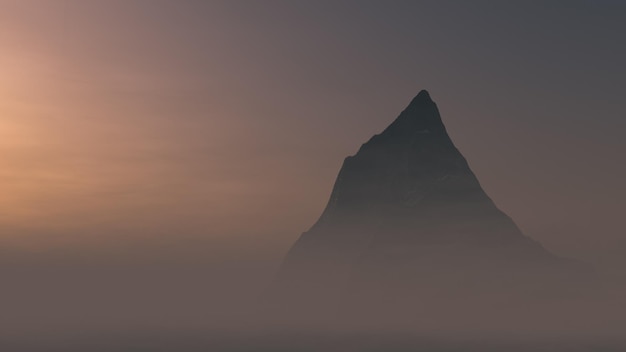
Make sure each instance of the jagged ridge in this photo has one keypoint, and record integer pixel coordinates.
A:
(405, 203)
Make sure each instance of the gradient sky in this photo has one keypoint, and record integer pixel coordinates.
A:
(152, 121)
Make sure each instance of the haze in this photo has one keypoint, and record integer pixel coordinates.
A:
(213, 131)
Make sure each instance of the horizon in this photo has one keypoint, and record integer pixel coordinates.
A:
(131, 133)
(157, 157)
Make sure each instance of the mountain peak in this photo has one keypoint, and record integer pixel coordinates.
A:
(422, 97)
(423, 94)
(404, 206)
(420, 116)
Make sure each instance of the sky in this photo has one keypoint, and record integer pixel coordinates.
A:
(146, 124)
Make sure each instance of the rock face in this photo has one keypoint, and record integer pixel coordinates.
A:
(407, 210)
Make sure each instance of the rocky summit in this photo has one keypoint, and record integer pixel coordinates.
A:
(407, 215)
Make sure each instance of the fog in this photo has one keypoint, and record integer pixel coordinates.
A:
(105, 301)
(158, 160)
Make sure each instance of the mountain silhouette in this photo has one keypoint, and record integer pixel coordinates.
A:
(406, 211)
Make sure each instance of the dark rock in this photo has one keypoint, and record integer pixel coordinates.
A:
(407, 215)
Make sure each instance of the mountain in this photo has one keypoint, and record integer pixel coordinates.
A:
(408, 216)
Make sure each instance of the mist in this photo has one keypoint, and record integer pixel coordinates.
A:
(122, 301)
(160, 161)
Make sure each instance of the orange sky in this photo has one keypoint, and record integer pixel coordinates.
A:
(126, 120)
(95, 147)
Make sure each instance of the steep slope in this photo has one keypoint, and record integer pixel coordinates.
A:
(407, 209)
